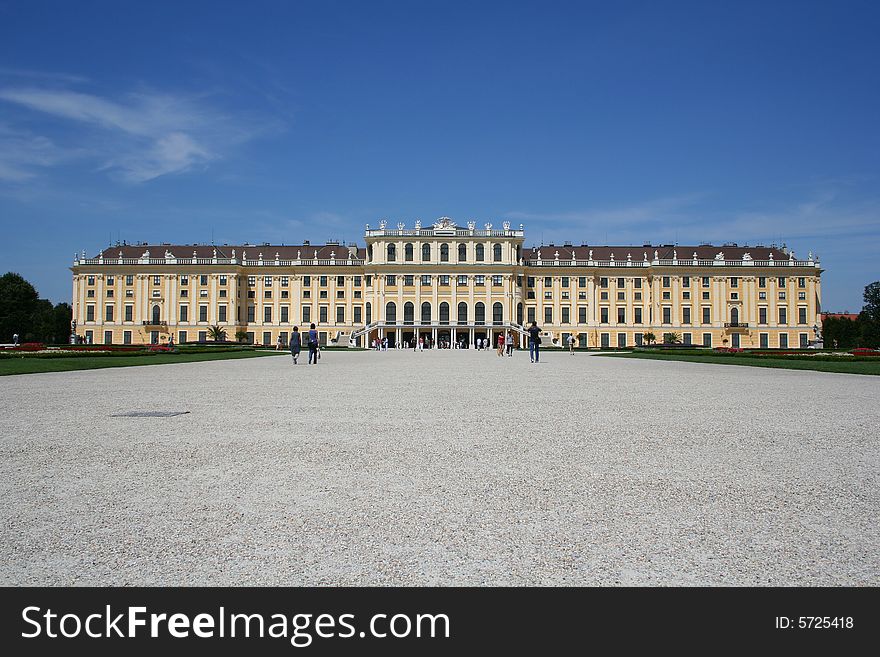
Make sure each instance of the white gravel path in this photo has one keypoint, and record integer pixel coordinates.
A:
(453, 468)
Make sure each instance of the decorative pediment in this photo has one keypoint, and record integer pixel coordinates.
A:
(444, 222)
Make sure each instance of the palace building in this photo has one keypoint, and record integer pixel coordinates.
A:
(451, 284)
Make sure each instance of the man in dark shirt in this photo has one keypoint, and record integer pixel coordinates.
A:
(313, 346)
(534, 342)
(295, 343)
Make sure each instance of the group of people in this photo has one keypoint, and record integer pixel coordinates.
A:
(296, 344)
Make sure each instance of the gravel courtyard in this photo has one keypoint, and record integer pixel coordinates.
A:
(441, 468)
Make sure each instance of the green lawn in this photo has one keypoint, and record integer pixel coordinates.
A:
(843, 366)
(37, 365)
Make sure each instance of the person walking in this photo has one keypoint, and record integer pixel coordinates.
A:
(509, 341)
(313, 345)
(534, 342)
(278, 344)
(500, 344)
(421, 343)
(15, 339)
(571, 344)
(295, 343)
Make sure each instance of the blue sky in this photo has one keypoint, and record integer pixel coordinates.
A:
(624, 122)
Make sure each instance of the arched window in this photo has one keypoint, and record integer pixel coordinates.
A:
(390, 313)
(426, 252)
(481, 253)
(392, 253)
(444, 253)
(518, 253)
(734, 315)
(369, 312)
(496, 253)
(462, 313)
(519, 314)
(480, 313)
(370, 252)
(156, 314)
(408, 313)
(408, 252)
(497, 313)
(444, 313)
(462, 252)
(426, 313)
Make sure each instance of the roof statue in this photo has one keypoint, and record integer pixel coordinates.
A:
(771, 256)
(645, 259)
(791, 255)
(418, 224)
(444, 222)
(591, 254)
(382, 224)
(488, 226)
(400, 225)
(471, 225)
(674, 254)
(656, 255)
(747, 256)
(506, 225)
(719, 255)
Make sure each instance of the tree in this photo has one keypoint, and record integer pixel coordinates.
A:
(241, 336)
(216, 333)
(872, 301)
(19, 303)
(671, 338)
(650, 337)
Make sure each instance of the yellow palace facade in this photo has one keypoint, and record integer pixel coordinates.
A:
(449, 285)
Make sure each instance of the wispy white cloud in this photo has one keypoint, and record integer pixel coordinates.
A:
(140, 136)
(23, 153)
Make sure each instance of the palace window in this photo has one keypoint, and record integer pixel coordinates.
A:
(129, 280)
(340, 294)
(426, 252)
(637, 319)
(204, 294)
(621, 315)
(802, 282)
(565, 281)
(322, 314)
(734, 296)
(390, 280)
(462, 312)
(621, 296)
(90, 313)
(603, 282)
(548, 281)
(307, 281)
(203, 313)
(781, 281)
(782, 296)
(705, 281)
(603, 296)
(582, 295)
(357, 281)
(479, 280)
(267, 294)
(685, 295)
(322, 281)
(322, 294)
(203, 280)
(667, 315)
(637, 283)
(496, 281)
(666, 296)
(462, 252)
(108, 314)
(130, 293)
(480, 313)
(307, 294)
(156, 280)
(548, 314)
(762, 281)
(221, 312)
(391, 313)
(369, 312)
(111, 281)
(444, 313)
(603, 315)
(666, 281)
(426, 280)
(637, 296)
(109, 294)
(306, 314)
(408, 280)
(548, 294)
(462, 279)
(707, 339)
(340, 314)
(357, 314)
(705, 296)
(340, 281)
(802, 315)
(530, 281)
(480, 253)
(783, 340)
(621, 282)
(762, 315)
(802, 296)
(129, 313)
(392, 253)
(408, 253)
(223, 279)
(444, 279)
(685, 281)
(734, 281)
(530, 294)
(565, 295)
(582, 281)
(685, 315)
(252, 280)
(496, 253)
(530, 313)
(444, 252)
(368, 280)
(707, 315)
(582, 315)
